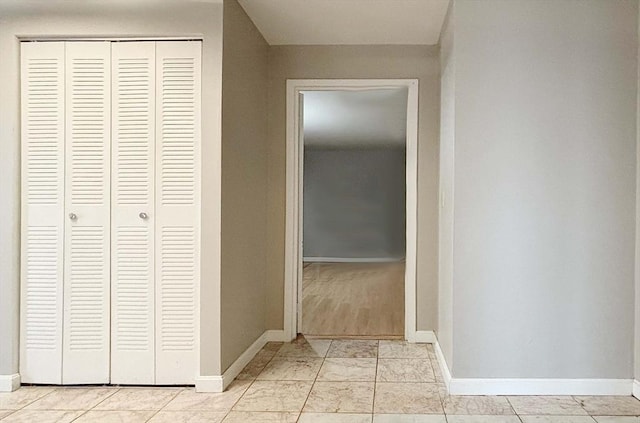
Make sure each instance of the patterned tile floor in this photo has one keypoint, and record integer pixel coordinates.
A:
(315, 381)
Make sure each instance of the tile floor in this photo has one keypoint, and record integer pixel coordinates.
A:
(315, 381)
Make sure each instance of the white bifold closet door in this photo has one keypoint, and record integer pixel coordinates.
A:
(111, 212)
(87, 282)
(133, 214)
(42, 98)
(66, 212)
(177, 210)
(155, 211)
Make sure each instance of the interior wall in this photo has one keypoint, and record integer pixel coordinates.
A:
(545, 184)
(354, 203)
(108, 19)
(244, 183)
(447, 197)
(345, 62)
(636, 360)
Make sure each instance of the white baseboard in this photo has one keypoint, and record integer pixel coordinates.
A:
(276, 335)
(351, 260)
(425, 337)
(442, 362)
(220, 383)
(234, 370)
(636, 389)
(9, 383)
(507, 386)
(209, 384)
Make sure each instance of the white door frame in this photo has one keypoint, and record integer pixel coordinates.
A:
(293, 223)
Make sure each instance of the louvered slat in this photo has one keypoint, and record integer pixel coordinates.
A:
(177, 302)
(86, 345)
(41, 291)
(85, 316)
(133, 160)
(131, 303)
(177, 210)
(177, 170)
(42, 90)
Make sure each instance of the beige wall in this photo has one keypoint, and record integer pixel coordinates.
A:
(244, 183)
(344, 62)
(636, 346)
(64, 19)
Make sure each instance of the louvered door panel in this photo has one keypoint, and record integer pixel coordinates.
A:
(42, 89)
(86, 344)
(177, 210)
(132, 274)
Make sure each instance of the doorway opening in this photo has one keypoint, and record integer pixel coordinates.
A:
(351, 208)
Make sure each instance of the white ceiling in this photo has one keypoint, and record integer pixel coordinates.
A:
(349, 119)
(303, 22)
(308, 22)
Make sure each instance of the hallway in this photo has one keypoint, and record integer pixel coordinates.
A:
(315, 381)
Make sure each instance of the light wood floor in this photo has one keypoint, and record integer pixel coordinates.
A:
(353, 299)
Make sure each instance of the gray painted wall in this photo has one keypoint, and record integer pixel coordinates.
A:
(545, 168)
(354, 203)
(244, 176)
(445, 222)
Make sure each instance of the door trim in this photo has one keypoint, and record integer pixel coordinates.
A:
(293, 216)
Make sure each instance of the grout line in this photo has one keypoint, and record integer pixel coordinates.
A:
(54, 388)
(116, 390)
(511, 406)
(251, 381)
(573, 397)
(81, 414)
(314, 380)
(442, 399)
(226, 413)
(261, 370)
(12, 412)
(179, 391)
(375, 380)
